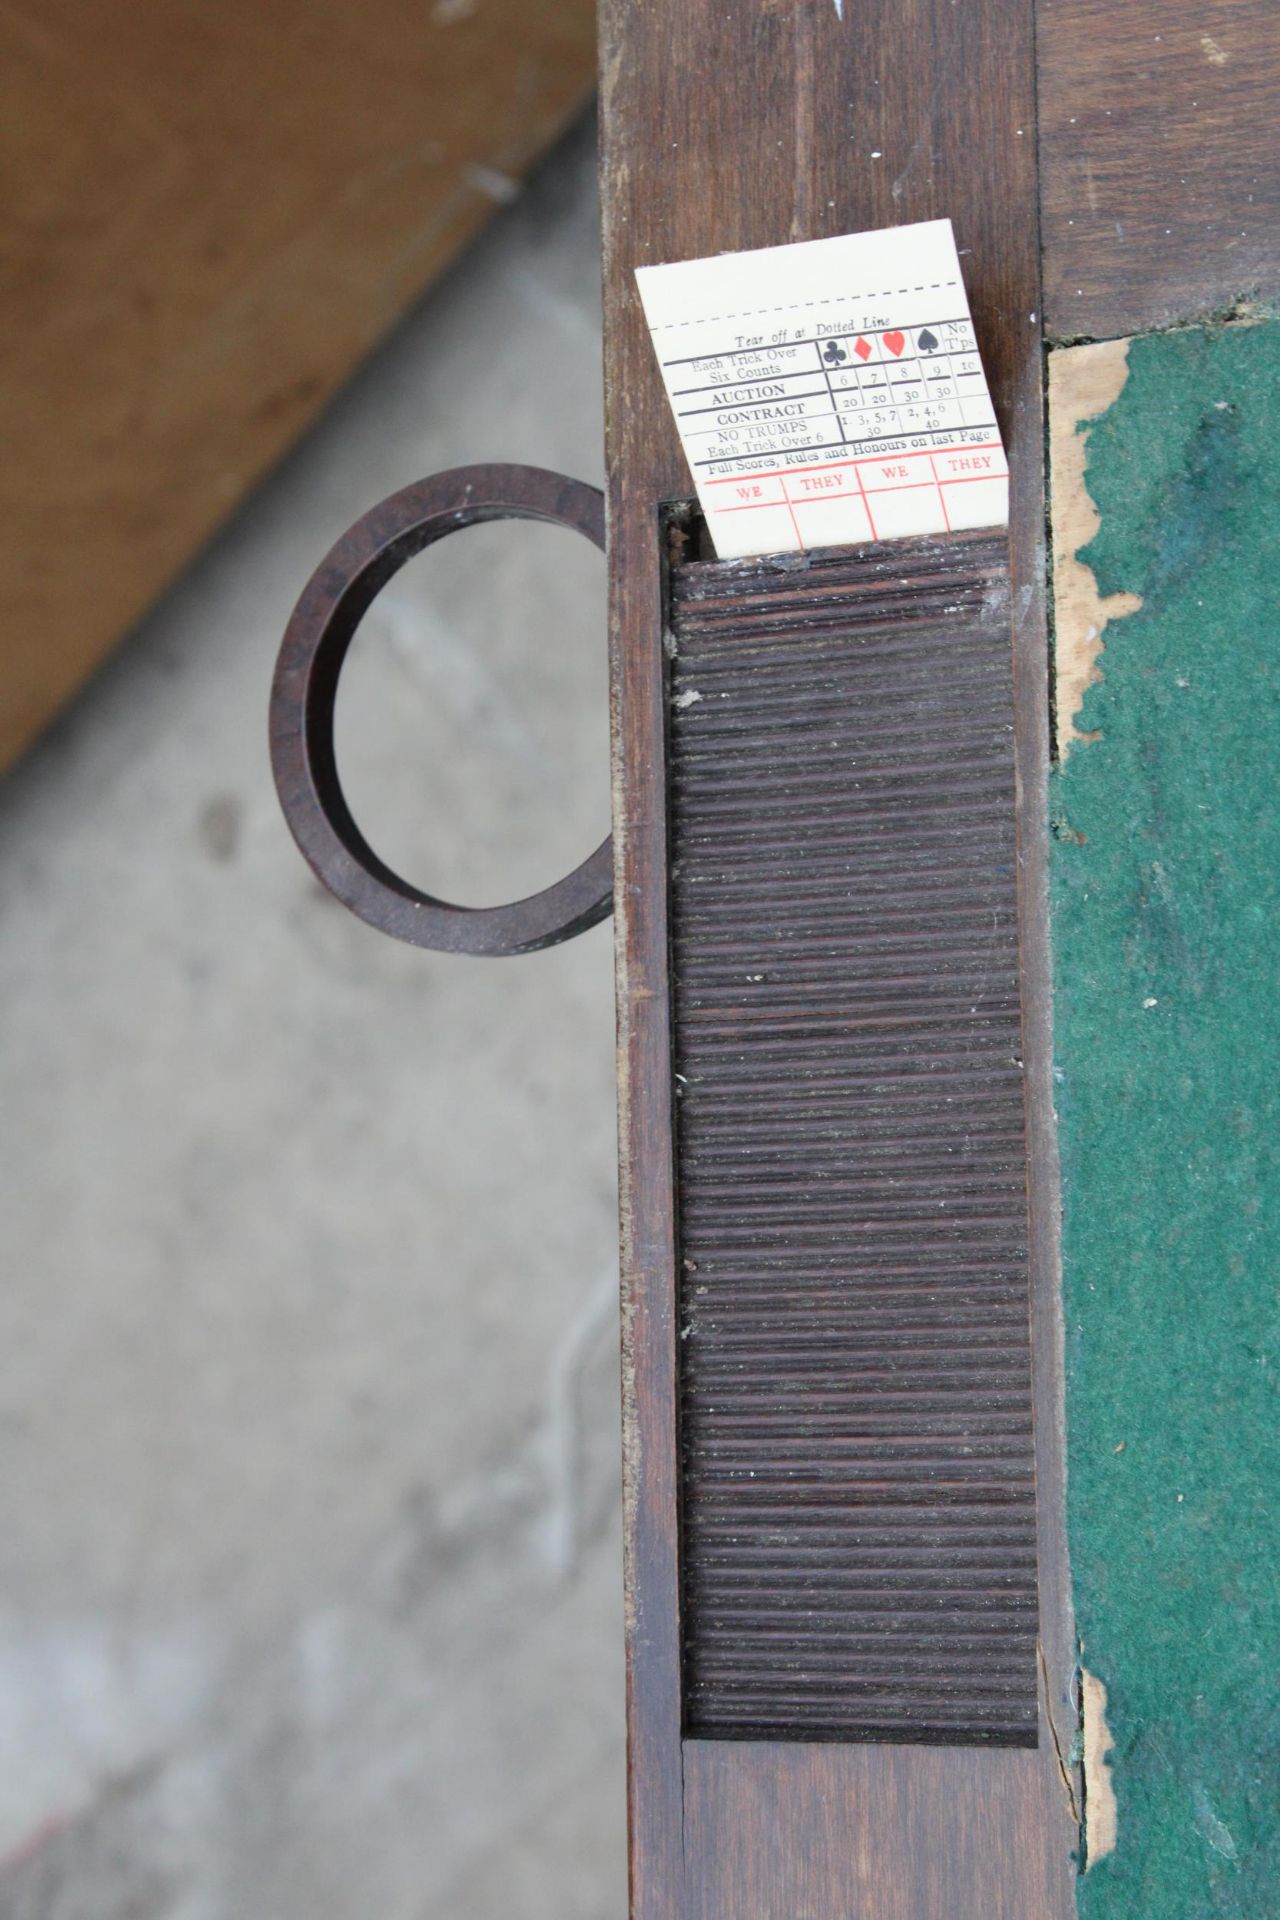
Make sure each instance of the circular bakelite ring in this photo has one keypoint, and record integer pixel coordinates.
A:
(324, 623)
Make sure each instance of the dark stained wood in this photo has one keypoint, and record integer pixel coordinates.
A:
(304, 698)
(858, 1476)
(865, 1833)
(730, 124)
(1161, 192)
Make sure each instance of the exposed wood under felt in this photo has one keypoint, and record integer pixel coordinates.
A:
(736, 125)
(1083, 383)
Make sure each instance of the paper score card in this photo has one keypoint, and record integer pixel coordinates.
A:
(830, 392)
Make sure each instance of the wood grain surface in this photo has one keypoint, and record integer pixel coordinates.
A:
(736, 125)
(1161, 192)
(823, 1832)
(858, 1480)
(211, 213)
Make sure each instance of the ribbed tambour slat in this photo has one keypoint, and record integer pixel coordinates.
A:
(858, 1497)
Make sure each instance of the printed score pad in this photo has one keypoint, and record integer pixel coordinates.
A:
(831, 392)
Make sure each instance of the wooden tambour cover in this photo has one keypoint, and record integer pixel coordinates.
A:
(849, 1649)
(857, 1480)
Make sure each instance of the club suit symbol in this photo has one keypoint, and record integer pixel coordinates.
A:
(834, 354)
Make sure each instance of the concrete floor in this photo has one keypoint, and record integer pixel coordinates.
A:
(309, 1555)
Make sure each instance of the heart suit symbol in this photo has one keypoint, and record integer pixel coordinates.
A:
(895, 342)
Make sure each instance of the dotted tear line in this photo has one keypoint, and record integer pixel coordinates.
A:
(794, 306)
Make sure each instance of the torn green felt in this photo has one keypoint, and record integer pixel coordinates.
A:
(1166, 935)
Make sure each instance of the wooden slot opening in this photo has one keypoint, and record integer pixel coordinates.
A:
(857, 1478)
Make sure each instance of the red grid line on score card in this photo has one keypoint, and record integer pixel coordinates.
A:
(845, 492)
(866, 504)
(942, 498)
(907, 486)
(826, 466)
(807, 500)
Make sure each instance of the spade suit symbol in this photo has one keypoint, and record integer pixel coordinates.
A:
(926, 341)
(834, 354)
